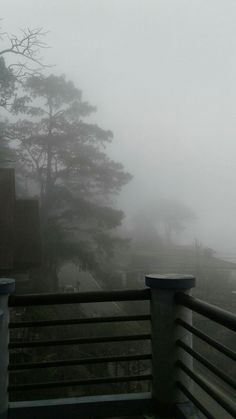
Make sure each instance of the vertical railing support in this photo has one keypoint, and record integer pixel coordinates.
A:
(7, 286)
(164, 312)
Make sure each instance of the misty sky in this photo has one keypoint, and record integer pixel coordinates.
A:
(163, 76)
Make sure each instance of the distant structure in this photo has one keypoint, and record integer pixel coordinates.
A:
(20, 244)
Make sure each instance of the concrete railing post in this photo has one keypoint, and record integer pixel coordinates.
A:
(7, 286)
(164, 312)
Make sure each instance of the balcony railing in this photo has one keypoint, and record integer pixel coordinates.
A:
(168, 383)
(65, 299)
(223, 318)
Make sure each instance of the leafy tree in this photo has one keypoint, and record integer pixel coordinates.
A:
(64, 157)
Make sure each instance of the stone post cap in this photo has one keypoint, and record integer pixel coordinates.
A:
(7, 286)
(170, 281)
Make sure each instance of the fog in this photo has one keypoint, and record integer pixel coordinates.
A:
(112, 202)
(163, 77)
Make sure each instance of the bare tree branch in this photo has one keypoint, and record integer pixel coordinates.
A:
(27, 46)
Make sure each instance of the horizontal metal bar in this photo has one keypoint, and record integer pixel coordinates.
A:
(194, 400)
(84, 361)
(220, 374)
(212, 342)
(218, 315)
(84, 407)
(78, 341)
(80, 297)
(92, 320)
(72, 383)
(211, 390)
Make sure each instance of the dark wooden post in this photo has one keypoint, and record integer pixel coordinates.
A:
(164, 312)
(7, 286)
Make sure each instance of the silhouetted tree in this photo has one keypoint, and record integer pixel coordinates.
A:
(172, 216)
(64, 158)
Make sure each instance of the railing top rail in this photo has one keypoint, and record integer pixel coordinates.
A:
(80, 297)
(218, 315)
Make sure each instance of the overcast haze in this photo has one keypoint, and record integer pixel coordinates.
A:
(163, 77)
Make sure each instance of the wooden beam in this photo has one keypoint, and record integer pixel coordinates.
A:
(84, 407)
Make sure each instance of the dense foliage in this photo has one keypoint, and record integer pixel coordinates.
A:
(61, 158)
(64, 158)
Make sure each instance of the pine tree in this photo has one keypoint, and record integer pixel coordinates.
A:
(64, 157)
